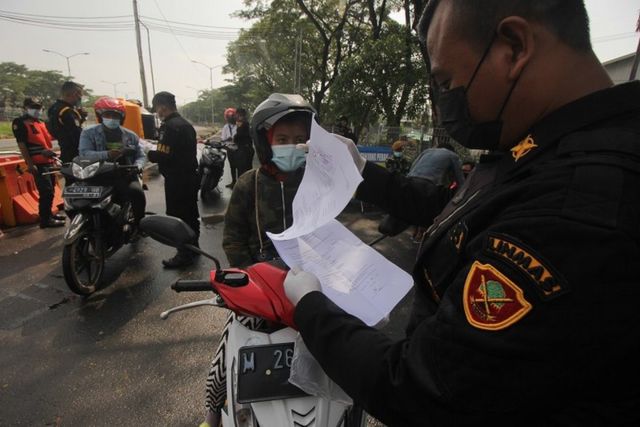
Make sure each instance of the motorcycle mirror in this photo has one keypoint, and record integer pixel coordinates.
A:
(168, 230)
(173, 232)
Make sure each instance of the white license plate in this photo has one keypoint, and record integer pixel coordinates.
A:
(81, 192)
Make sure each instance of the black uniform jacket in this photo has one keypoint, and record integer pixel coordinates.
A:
(527, 306)
(176, 150)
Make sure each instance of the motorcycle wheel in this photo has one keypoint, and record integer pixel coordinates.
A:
(208, 189)
(83, 265)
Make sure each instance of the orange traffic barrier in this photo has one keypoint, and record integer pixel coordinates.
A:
(19, 194)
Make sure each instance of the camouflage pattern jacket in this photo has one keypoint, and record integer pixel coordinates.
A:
(244, 240)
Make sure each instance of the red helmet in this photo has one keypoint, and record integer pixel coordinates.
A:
(106, 103)
(229, 113)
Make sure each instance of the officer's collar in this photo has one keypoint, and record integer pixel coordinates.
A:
(171, 116)
(586, 111)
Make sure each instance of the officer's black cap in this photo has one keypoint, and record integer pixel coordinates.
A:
(32, 103)
(163, 98)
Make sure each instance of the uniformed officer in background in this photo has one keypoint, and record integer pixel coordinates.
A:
(66, 117)
(35, 145)
(176, 157)
(526, 286)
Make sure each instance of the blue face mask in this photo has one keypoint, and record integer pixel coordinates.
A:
(33, 112)
(397, 154)
(287, 157)
(111, 123)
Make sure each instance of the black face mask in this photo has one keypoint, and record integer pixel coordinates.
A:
(456, 118)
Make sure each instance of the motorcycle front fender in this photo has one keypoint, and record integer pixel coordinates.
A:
(78, 224)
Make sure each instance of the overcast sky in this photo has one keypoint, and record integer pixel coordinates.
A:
(113, 55)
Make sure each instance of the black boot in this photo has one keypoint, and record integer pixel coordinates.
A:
(51, 223)
(179, 261)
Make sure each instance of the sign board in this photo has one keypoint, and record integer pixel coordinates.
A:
(375, 154)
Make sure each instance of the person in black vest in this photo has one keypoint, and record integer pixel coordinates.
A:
(242, 139)
(526, 285)
(65, 119)
(176, 157)
(35, 145)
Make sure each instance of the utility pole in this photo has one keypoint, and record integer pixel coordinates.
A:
(66, 57)
(634, 69)
(140, 60)
(153, 80)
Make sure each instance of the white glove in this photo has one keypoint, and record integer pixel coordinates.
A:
(299, 283)
(358, 159)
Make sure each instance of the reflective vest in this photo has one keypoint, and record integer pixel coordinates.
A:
(38, 140)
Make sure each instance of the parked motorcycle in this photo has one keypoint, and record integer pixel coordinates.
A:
(99, 226)
(211, 168)
(258, 361)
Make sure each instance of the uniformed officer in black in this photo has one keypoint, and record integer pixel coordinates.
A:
(176, 157)
(527, 285)
(65, 119)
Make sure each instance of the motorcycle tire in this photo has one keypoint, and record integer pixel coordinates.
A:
(208, 190)
(83, 265)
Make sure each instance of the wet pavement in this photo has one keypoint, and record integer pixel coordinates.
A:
(109, 359)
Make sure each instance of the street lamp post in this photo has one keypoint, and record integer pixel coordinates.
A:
(66, 57)
(213, 118)
(115, 85)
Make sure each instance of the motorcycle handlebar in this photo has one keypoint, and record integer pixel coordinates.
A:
(192, 286)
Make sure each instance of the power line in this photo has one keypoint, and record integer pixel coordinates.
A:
(174, 36)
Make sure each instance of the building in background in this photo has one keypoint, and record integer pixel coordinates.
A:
(619, 69)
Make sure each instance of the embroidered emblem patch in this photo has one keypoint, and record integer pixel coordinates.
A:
(491, 300)
(547, 281)
(523, 148)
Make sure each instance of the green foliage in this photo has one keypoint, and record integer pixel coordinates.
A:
(355, 60)
(18, 82)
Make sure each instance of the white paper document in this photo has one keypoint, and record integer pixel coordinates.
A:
(353, 275)
(330, 180)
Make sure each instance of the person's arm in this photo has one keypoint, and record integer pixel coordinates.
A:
(456, 167)
(237, 225)
(88, 146)
(139, 158)
(20, 132)
(165, 152)
(497, 343)
(415, 202)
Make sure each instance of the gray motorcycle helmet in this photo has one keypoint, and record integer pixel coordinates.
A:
(268, 113)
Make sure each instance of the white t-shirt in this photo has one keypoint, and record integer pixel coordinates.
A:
(228, 132)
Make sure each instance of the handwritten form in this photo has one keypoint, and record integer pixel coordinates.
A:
(352, 274)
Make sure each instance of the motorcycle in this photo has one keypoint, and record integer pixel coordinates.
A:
(99, 225)
(211, 168)
(258, 362)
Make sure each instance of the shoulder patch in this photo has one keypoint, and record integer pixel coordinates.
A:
(491, 300)
(547, 281)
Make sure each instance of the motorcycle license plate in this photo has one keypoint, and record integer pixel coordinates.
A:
(263, 373)
(81, 192)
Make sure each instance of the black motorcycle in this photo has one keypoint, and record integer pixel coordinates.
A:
(211, 168)
(102, 220)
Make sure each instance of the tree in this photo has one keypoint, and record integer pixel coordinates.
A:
(18, 82)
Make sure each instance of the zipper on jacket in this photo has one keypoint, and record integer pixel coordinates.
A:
(284, 209)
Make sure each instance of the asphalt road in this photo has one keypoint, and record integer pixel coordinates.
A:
(109, 359)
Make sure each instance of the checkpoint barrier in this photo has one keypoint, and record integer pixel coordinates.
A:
(18, 193)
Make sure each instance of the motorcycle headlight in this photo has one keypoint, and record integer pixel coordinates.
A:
(84, 173)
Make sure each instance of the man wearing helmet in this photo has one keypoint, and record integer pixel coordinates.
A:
(262, 201)
(35, 145)
(228, 134)
(108, 141)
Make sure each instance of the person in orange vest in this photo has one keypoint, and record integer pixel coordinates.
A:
(35, 145)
